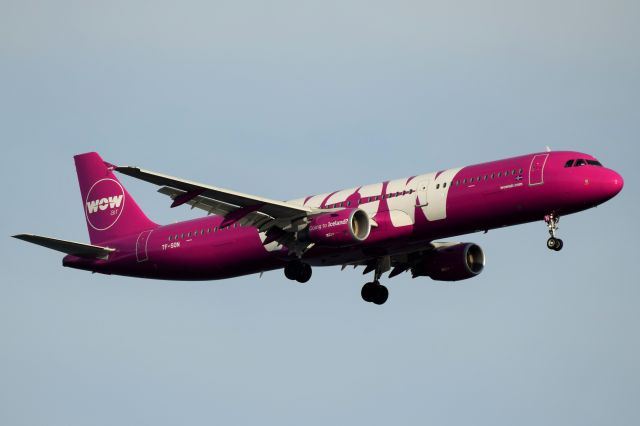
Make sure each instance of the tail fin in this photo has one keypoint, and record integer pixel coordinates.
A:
(109, 209)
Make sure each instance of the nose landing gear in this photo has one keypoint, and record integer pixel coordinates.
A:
(553, 243)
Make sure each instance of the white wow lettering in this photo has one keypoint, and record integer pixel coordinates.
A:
(104, 203)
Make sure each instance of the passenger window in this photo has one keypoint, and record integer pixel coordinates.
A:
(188, 234)
(464, 181)
(348, 203)
(438, 186)
(513, 172)
(568, 163)
(498, 174)
(520, 171)
(580, 162)
(444, 185)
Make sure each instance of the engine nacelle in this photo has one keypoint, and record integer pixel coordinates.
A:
(342, 228)
(451, 263)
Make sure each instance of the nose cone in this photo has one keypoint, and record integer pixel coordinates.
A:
(615, 183)
(611, 184)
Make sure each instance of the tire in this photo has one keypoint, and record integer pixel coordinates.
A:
(382, 294)
(552, 243)
(291, 270)
(368, 292)
(559, 245)
(304, 273)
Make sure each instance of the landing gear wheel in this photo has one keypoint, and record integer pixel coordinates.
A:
(382, 295)
(298, 271)
(554, 244)
(374, 293)
(304, 273)
(559, 244)
(368, 292)
(291, 270)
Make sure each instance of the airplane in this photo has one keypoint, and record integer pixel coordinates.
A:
(390, 226)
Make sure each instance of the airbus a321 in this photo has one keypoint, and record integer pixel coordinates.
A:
(391, 226)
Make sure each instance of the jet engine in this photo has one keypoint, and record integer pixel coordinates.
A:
(451, 263)
(341, 228)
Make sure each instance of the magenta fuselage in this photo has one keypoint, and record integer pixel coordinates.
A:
(409, 213)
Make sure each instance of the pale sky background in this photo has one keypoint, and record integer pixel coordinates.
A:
(288, 98)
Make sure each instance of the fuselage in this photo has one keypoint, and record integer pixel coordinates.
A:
(408, 213)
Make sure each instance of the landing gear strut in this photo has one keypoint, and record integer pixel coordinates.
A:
(553, 243)
(298, 271)
(374, 292)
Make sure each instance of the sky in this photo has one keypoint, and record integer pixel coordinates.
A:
(288, 98)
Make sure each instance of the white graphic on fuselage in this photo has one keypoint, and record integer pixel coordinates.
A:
(437, 194)
(429, 191)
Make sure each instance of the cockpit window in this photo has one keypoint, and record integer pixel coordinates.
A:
(568, 163)
(594, 163)
(580, 162)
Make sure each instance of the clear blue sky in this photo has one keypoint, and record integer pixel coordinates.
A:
(287, 98)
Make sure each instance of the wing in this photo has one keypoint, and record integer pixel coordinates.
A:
(235, 206)
(398, 263)
(280, 220)
(69, 247)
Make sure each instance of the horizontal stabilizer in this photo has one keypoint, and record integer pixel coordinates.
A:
(69, 247)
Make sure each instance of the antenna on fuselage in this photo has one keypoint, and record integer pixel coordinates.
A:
(547, 148)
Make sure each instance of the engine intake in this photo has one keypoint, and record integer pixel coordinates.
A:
(451, 263)
(342, 228)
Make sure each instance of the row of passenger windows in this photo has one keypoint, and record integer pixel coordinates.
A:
(370, 199)
(198, 232)
(494, 175)
(438, 186)
(582, 162)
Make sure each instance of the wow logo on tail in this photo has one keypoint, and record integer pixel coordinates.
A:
(104, 204)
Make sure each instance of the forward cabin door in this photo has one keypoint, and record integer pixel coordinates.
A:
(536, 170)
(142, 246)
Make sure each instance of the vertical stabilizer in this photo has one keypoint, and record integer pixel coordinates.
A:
(109, 209)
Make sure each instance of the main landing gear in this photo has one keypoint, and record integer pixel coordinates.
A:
(374, 292)
(553, 243)
(298, 271)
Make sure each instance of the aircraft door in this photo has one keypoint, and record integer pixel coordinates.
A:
(421, 189)
(536, 170)
(142, 246)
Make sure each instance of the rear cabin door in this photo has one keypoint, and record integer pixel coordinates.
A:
(142, 246)
(536, 170)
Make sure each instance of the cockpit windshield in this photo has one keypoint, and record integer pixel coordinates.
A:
(582, 162)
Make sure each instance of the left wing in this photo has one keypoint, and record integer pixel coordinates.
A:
(279, 219)
(234, 206)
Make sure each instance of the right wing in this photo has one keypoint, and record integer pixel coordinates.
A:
(68, 247)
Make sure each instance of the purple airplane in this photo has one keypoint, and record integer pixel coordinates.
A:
(388, 226)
